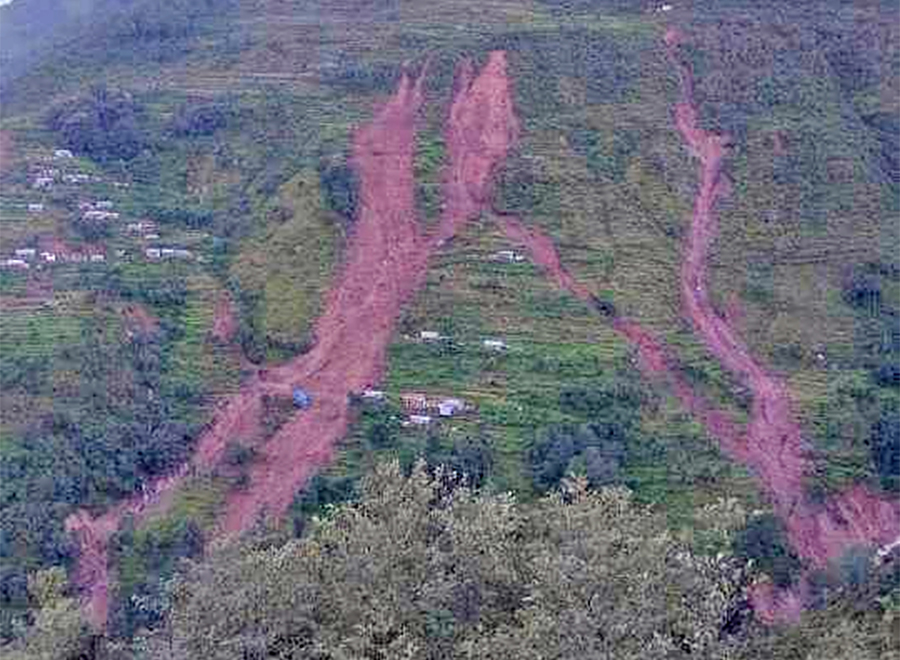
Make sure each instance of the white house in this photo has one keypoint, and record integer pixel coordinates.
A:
(25, 253)
(508, 256)
(429, 335)
(100, 215)
(494, 345)
(63, 153)
(35, 208)
(420, 420)
(153, 253)
(48, 257)
(151, 237)
(42, 183)
(96, 258)
(103, 204)
(449, 407)
(16, 263)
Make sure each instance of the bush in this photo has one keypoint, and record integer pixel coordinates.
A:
(201, 120)
(340, 186)
(884, 445)
(764, 541)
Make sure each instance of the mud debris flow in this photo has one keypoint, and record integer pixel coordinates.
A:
(385, 265)
(773, 446)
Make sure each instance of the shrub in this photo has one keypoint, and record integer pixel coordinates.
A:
(884, 445)
(765, 541)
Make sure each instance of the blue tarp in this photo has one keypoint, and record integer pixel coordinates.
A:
(301, 398)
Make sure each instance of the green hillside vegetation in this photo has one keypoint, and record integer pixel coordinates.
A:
(228, 124)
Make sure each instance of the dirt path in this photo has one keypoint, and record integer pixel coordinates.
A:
(386, 264)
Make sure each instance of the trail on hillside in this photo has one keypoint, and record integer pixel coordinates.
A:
(386, 263)
(773, 446)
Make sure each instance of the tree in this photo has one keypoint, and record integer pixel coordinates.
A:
(103, 125)
(764, 541)
(58, 631)
(412, 570)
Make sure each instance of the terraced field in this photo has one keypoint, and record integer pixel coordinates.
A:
(239, 138)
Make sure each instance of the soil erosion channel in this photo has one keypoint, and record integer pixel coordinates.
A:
(385, 265)
(772, 445)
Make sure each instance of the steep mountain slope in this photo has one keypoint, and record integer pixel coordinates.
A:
(246, 145)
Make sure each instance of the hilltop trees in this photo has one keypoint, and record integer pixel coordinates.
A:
(412, 571)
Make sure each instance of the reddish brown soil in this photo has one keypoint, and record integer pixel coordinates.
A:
(138, 321)
(773, 446)
(480, 127)
(224, 320)
(386, 263)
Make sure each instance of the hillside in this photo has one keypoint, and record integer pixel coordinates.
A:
(629, 245)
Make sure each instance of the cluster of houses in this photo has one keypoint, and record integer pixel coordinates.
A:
(508, 257)
(421, 408)
(155, 254)
(43, 177)
(23, 258)
(99, 210)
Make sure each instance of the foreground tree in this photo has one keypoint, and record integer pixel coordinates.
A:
(417, 570)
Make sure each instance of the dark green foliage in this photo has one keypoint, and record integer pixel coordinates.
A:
(885, 448)
(380, 427)
(321, 491)
(110, 433)
(613, 411)
(192, 217)
(237, 454)
(92, 229)
(168, 291)
(201, 120)
(277, 410)
(340, 187)
(148, 556)
(103, 125)
(764, 541)
(469, 461)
